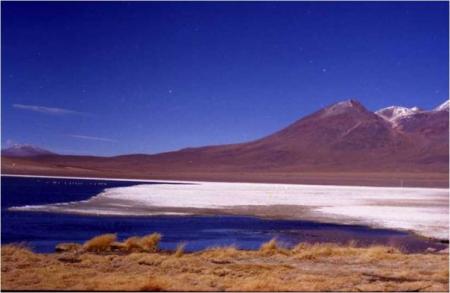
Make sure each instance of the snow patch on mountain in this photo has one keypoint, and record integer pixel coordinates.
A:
(25, 150)
(443, 107)
(394, 113)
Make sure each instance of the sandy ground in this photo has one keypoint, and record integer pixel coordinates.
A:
(421, 210)
(305, 268)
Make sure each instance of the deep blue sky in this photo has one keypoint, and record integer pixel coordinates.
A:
(145, 77)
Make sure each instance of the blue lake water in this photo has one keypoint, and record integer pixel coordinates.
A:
(42, 231)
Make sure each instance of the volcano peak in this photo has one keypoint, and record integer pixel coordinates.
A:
(343, 107)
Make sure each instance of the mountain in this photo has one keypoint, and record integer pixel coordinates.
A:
(344, 136)
(25, 150)
(427, 127)
(344, 143)
(395, 113)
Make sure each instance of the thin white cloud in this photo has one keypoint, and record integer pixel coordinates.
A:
(47, 110)
(92, 138)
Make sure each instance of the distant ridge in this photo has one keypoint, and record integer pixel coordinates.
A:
(25, 150)
(343, 138)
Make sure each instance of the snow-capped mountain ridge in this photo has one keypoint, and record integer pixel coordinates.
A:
(443, 107)
(25, 150)
(396, 113)
(393, 113)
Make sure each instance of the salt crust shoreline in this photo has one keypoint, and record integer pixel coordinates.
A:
(424, 211)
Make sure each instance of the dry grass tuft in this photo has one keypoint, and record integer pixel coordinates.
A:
(220, 252)
(381, 252)
(17, 248)
(18, 252)
(132, 244)
(107, 242)
(323, 250)
(353, 243)
(273, 247)
(314, 251)
(150, 243)
(100, 243)
(179, 252)
(270, 247)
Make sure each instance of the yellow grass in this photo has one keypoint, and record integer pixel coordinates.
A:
(273, 247)
(100, 243)
(179, 252)
(220, 252)
(108, 242)
(150, 243)
(132, 244)
(17, 253)
(306, 267)
(320, 250)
